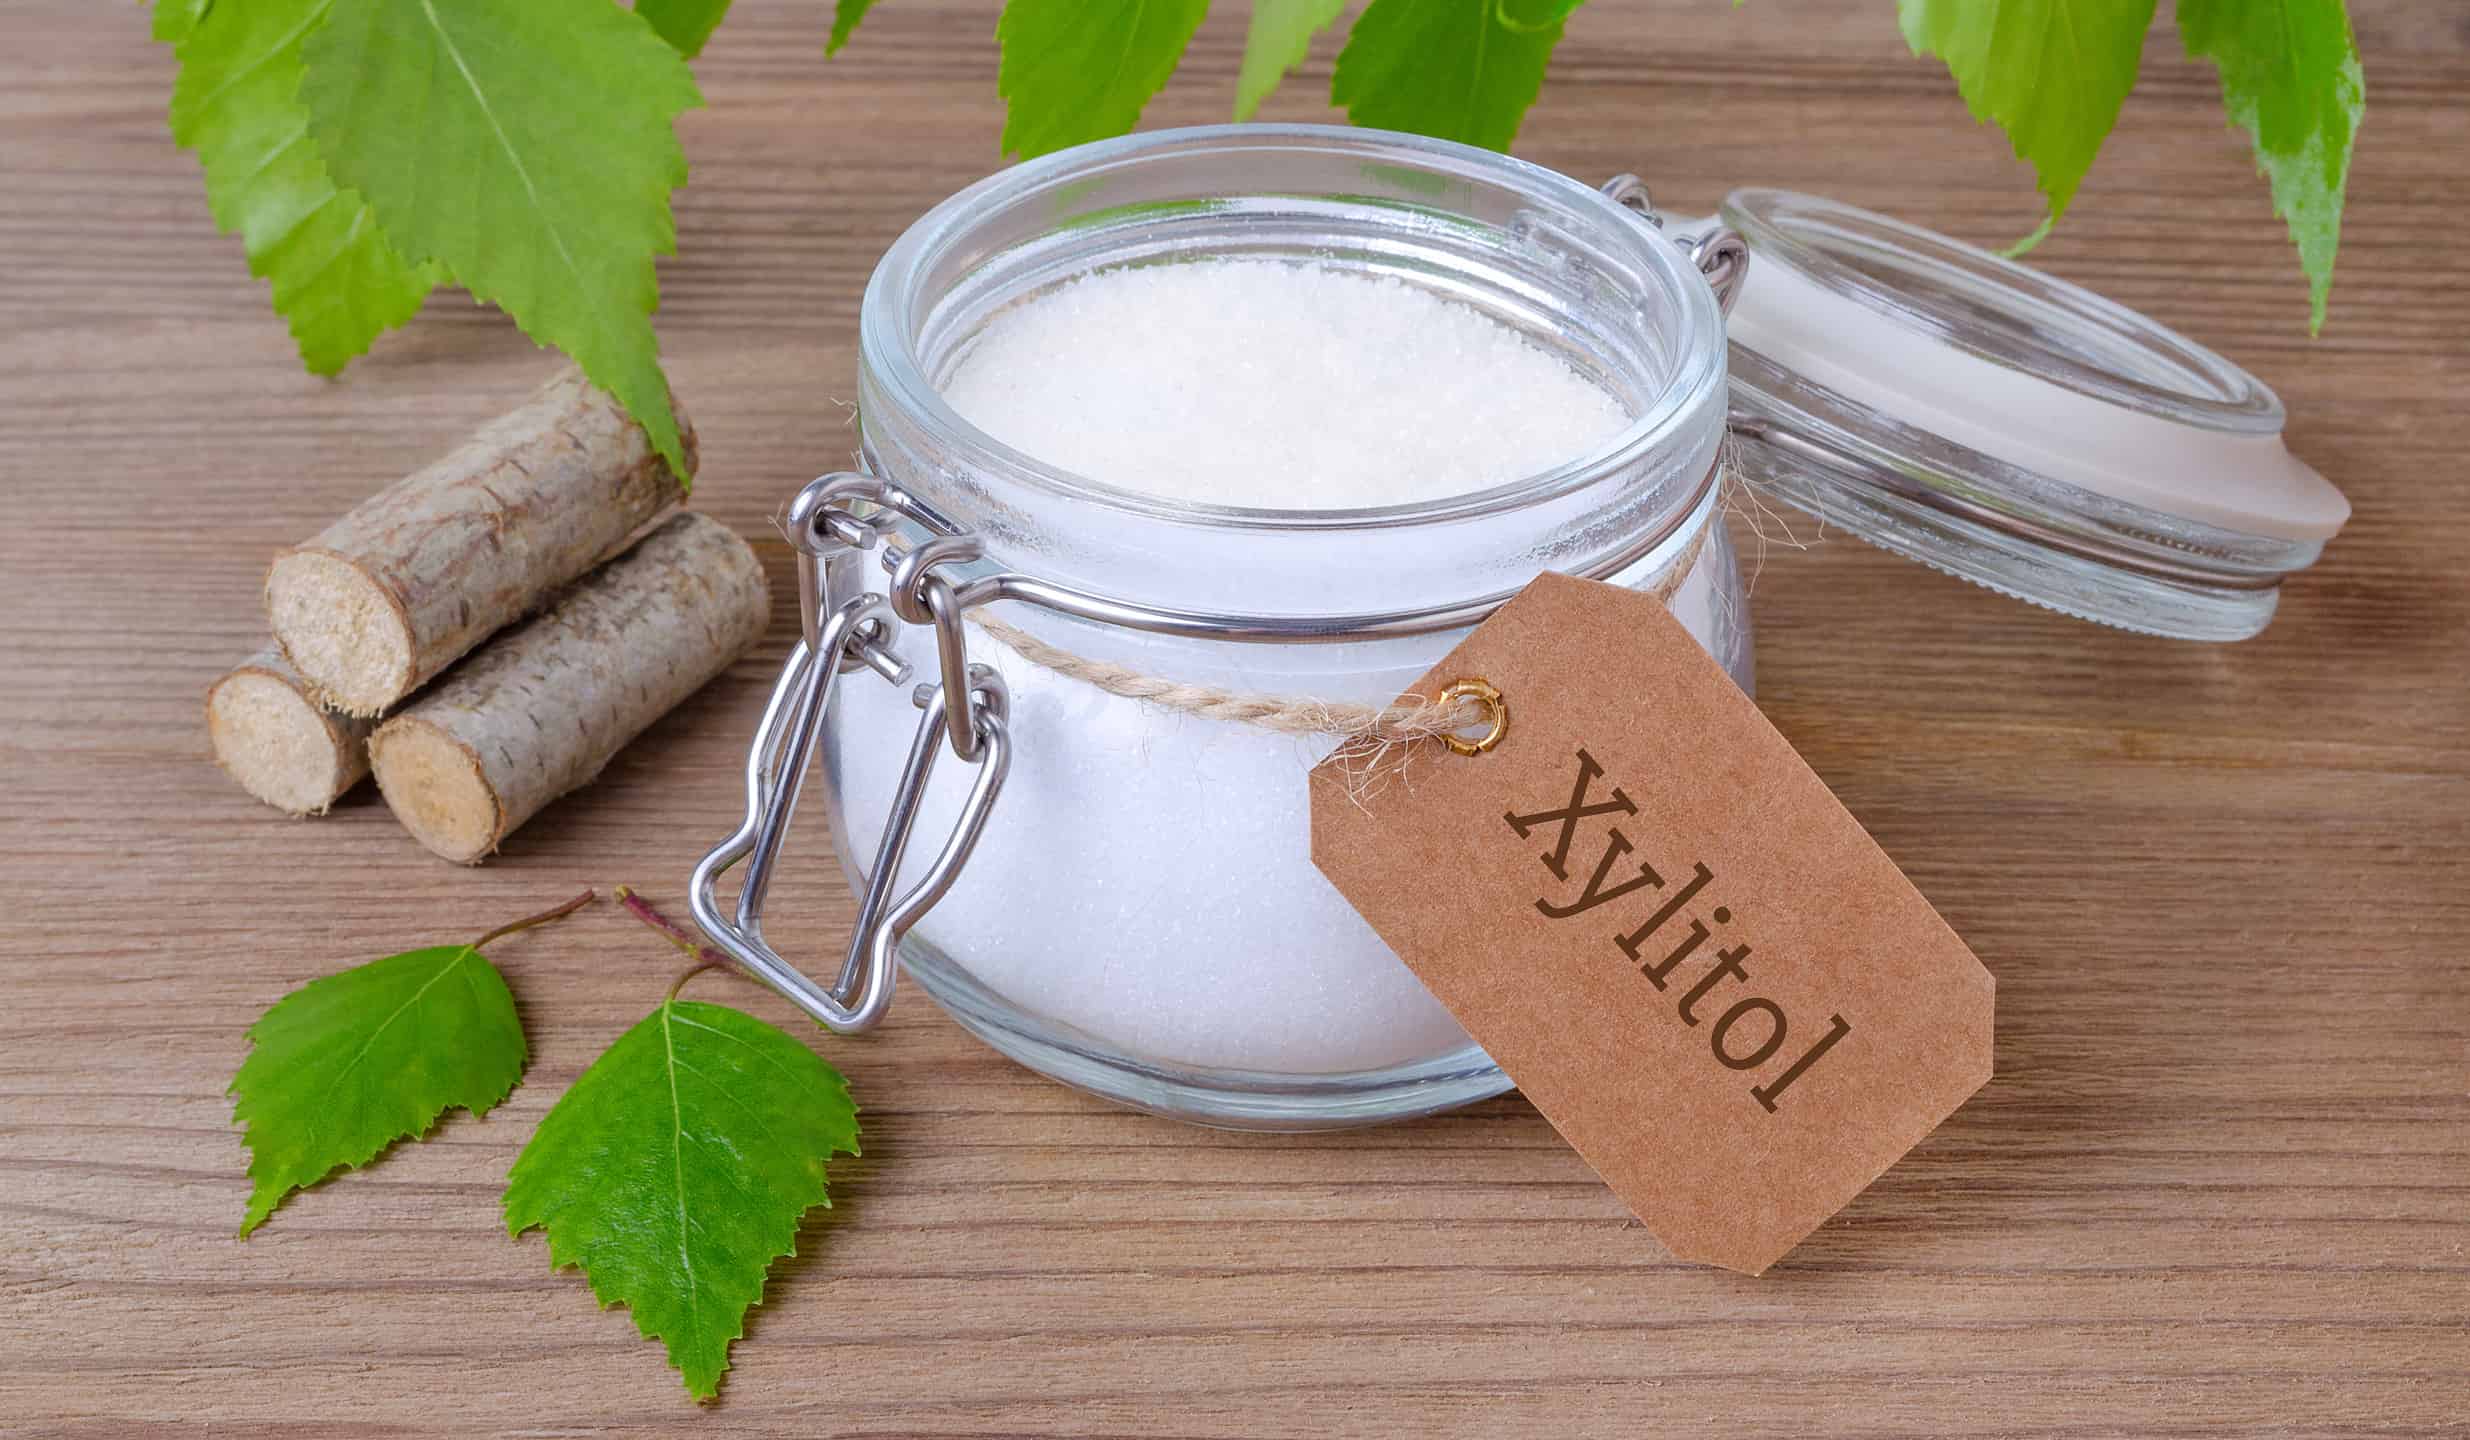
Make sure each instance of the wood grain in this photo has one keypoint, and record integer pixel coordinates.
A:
(2220, 1186)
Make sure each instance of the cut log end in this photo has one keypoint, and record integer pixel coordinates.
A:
(341, 626)
(436, 786)
(542, 707)
(272, 738)
(388, 596)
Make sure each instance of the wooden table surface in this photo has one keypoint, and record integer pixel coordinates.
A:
(2220, 1185)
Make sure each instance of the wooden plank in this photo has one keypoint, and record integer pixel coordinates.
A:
(2221, 1185)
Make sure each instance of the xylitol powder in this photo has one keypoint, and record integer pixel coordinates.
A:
(1146, 878)
(1274, 384)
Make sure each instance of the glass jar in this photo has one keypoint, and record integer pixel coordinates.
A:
(1125, 899)
(1141, 916)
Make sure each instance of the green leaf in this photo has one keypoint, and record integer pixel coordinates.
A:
(845, 17)
(1463, 70)
(173, 19)
(2051, 73)
(1078, 70)
(531, 148)
(685, 24)
(677, 1168)
(336, 279)
(1279, 37)
(2290, 77)
(345, 1066)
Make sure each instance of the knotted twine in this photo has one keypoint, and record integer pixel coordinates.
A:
(1367, 734)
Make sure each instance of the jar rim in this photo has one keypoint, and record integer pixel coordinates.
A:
(891, 345)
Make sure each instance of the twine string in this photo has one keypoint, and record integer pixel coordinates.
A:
(1398, 722)
(1363, 730)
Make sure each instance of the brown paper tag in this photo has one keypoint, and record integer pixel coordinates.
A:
(1665, 928)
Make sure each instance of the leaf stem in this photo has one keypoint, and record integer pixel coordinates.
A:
(679, 935)
(705, 957)
(543, 918)
(691, 972)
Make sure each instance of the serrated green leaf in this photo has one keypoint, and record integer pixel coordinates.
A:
(1464, 70)
(173, 19)
(2290, 77)
(336, 279)
(1278, 38)
(2051, 73)
(531, 148)
(686, 24)
(1079, 70)
(677, 1168)
(846, 15)
(345, 1066)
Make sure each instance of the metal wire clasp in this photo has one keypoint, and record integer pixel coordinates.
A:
(1718, 251)
(968, 709)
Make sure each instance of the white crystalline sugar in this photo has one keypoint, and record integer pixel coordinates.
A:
(1275, 384)
(1146, 878)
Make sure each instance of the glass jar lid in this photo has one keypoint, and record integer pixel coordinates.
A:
(2002, 425)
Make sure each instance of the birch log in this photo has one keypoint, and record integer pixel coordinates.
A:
(270, 734)
(541, 708)
(422, 571)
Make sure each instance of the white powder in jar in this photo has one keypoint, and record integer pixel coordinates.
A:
(1277, 385)
(1146, 876)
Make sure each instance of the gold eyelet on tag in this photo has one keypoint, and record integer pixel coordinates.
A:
(1483, 692)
